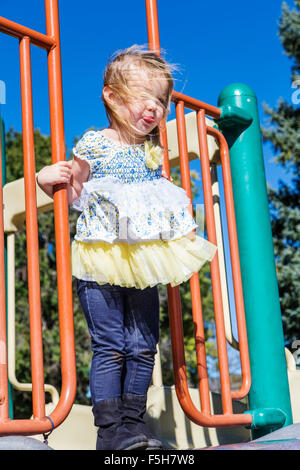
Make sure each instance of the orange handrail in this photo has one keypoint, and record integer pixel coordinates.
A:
(204, 417)
(4, 405)
(35, 314)
(235, 262)
(40, 422)
(194, 281)
(18, 31)
(196, 105)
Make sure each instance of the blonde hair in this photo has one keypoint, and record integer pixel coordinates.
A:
(117, 75)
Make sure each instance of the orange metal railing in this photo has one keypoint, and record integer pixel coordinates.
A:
(40, 422)
(204, 417)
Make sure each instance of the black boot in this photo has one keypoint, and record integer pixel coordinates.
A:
(112, 433)
(134, 408)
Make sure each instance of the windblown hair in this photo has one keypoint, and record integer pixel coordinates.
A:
(117, 76)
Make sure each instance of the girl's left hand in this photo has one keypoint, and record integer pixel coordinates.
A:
(164, 174)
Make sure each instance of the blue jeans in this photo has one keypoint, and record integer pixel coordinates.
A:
(124, 327)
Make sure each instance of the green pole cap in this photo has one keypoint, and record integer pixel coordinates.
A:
(272, 418)
(235, 89)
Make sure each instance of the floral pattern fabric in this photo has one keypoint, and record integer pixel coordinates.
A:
(105, 157)
(126, 199)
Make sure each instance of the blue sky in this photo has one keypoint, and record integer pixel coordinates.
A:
(213, 44)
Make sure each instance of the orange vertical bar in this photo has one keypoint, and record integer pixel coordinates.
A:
(194, 280)
(179, 367)
(183, 152)
(152, 24)
(62, 237)
(154, 45)
(4, 402)
(164, 143)
(37, 370)
(215, 274)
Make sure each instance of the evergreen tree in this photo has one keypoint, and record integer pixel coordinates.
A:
(284, 135)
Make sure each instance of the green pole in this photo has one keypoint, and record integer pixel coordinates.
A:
(269, 397)
(5, 250)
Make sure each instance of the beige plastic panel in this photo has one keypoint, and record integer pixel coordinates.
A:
(294, 384)
(11, 325)
(14, 204)
(192, 140)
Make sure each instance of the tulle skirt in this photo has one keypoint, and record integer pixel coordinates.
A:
(143, 264)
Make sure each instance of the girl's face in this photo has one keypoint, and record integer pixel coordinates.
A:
(148, 109)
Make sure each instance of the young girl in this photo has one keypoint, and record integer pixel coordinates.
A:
(133, 233)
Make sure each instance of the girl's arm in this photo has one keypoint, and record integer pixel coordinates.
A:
(73, 174)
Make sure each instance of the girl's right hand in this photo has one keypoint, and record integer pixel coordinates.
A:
(57, 173)
(73, 174)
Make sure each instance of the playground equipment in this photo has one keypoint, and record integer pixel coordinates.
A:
(207, 133)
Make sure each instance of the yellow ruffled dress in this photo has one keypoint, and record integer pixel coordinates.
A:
(133, 223)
